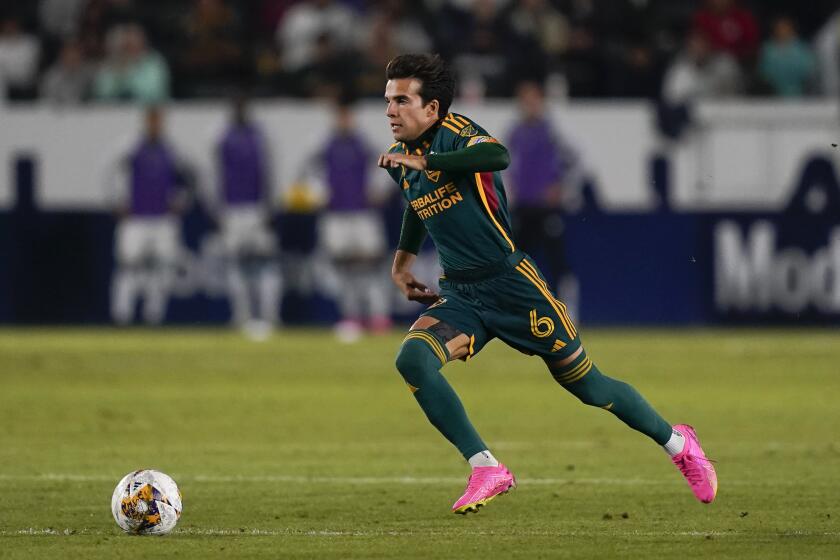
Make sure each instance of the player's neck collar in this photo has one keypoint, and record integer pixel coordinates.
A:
(424, 140)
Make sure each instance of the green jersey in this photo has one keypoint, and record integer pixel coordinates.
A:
(465, 213)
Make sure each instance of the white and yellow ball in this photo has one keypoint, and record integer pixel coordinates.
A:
(146, 502)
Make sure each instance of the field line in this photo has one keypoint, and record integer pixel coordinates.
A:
(286, 532)
(351, 480)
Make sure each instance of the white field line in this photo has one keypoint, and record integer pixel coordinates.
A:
(362, 480)
(218, 532)
(367, 480)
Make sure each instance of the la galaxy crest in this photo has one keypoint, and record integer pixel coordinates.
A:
(468, 131)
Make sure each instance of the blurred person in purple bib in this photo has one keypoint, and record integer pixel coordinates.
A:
(150, 194)
(351, 231)
(543, 171)
(245, 214)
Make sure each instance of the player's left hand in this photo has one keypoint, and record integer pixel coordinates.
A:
(408, 160)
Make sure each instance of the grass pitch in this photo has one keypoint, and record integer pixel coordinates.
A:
(302, 447)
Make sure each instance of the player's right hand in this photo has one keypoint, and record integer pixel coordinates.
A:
(413, 289)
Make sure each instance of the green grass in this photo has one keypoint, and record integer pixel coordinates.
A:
(301, 447)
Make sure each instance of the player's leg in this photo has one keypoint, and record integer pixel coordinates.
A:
(523, 313)
(269, 282)
(269, 289)
(234, 237)
(127, 279)
(164, 244)
(373, 247)
(578, 375)
(240, 308)
(429, 345)
(339, 238)
(378, 296)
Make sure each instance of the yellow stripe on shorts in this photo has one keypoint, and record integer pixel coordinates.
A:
(565, 313)
(544, 291)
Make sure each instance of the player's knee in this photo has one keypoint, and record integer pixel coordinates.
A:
(582, 379)
(405, 363)
(419, 355)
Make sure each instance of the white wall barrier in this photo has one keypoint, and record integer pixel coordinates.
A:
(744, 155)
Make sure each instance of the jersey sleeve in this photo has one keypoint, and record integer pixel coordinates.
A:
(461, 132)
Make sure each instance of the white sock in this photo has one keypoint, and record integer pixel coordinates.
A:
(675, 444)
(483, 459)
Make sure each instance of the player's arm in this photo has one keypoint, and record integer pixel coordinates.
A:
(484, 156)
(412, 234)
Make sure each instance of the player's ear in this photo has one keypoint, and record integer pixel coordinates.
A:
(432, 108)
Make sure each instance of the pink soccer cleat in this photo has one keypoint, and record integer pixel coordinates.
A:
(696, 468)
(485, 483)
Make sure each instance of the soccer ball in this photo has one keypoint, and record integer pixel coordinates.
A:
(146, 502)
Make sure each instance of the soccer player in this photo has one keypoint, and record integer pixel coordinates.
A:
(254, 282)
(150, 183)
(544, 166)
(448, 168)
(351, 231)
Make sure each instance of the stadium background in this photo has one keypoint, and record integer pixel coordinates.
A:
(706, 203)
(724, 215)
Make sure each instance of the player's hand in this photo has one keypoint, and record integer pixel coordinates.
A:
(413, 289)
(408, 160)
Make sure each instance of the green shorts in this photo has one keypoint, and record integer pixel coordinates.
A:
(514, 305)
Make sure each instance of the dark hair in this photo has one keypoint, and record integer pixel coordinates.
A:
(436, 80)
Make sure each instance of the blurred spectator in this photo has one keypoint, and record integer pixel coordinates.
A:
(634, 71)
(301, 33)
(827, 46)
(270, 13)
(541, 35)
(700, 73)
(544, 172)
(787, 63)
(481, 43)
(132, 72)
(68, 81)
(250, 246)
(351, 232)
(728, 27)
(395, 27)
(331, 71)
(19, 55)
(150, 181)
(583, 60)
(61, 18)
(98, 18)
(390, 28)
(212, 57)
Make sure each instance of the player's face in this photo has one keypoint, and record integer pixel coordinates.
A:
(407, 115)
